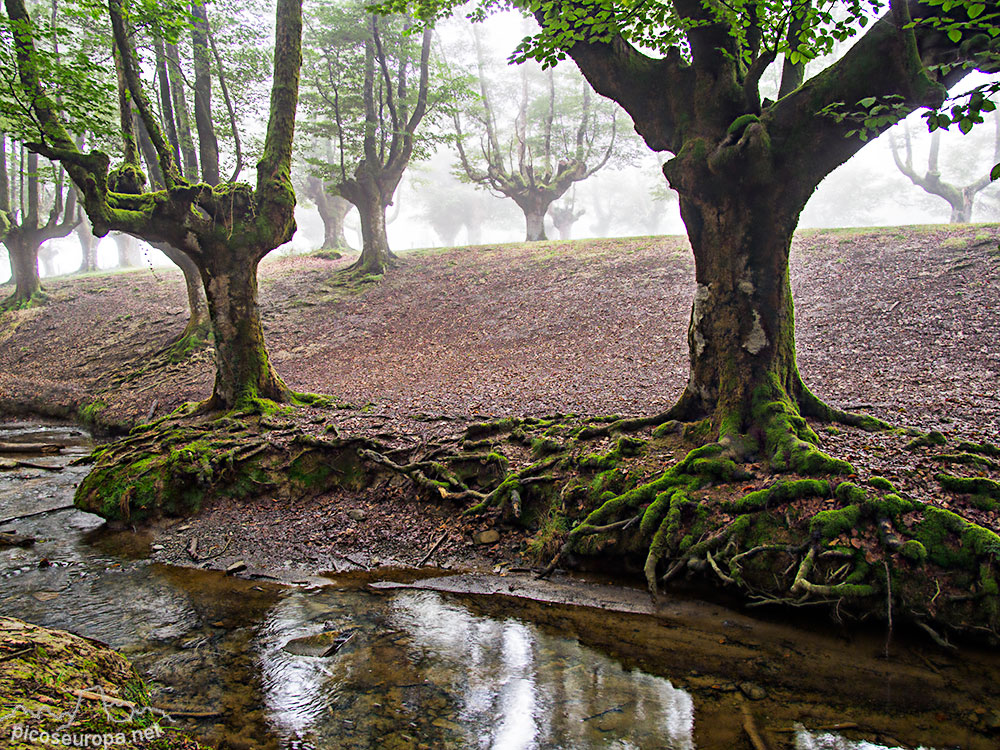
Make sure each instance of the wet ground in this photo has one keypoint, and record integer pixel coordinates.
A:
(468, 662)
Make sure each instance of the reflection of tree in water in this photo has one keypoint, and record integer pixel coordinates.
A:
(514, 687)
(423, 671)
(808, 741)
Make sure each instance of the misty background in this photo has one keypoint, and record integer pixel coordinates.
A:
(628, 197)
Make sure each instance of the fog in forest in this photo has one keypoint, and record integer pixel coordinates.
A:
(437, 205)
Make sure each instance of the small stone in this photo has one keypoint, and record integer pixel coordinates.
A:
(356, 514)
(752, 691)
(157, 547)
(236, 567)
(486, 537)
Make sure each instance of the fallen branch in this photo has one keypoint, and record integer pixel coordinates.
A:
(432, 550)
(750, 727)
(11, 519)
(43, 448)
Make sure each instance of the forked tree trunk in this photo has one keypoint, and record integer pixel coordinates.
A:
(243, 371)
(961, 211)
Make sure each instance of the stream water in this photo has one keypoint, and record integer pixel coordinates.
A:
(421, 669)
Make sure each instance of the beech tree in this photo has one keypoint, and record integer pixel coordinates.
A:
(744, 166)
(367, 90)
(960, 198)
(27, 228)
(554, 140)
(225, 230)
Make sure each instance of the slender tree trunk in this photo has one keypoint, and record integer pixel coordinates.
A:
(243, 371)
(199, 324)
(208, 144)
(474, 231)
(184, 135)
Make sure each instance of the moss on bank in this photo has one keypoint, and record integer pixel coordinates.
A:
(51, 683)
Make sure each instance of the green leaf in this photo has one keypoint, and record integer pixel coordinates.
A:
(955, 35)
(995, 172)
(867, 102)
(976, 10)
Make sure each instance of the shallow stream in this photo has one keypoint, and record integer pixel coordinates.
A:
(423, 669)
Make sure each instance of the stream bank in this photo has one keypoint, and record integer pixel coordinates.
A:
(458, 662)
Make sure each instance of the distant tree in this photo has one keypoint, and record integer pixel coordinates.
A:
(367, 90)
(333, 210)
(961, 199)
(27, 228)
(558, 136)
(224, 230)
(565, 215)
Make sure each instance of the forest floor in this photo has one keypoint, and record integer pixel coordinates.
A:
(901, 323)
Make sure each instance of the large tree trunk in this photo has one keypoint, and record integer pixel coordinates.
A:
(22, 248)
(375, 253)
(961, 210)
(534, 219)
(243, 372)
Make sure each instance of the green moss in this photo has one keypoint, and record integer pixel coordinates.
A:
(983, 449)
(930, 439)
(881, 483)
(480, 430)
(828, 524)
(913, 551)
(88, 413)
(781, 492)
(545, 447)
(970, 485)
(848, 492)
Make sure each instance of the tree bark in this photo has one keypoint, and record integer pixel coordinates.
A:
(375, 254)
(22, 248)
(208, 144)
(243, 372)
(88, 247)
(535, 223)
(333, 209)
(184, 135)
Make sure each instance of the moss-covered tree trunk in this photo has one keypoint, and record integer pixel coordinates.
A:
(243, 372)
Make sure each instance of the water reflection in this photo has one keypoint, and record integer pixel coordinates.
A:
(815, 741)
(426, 672)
